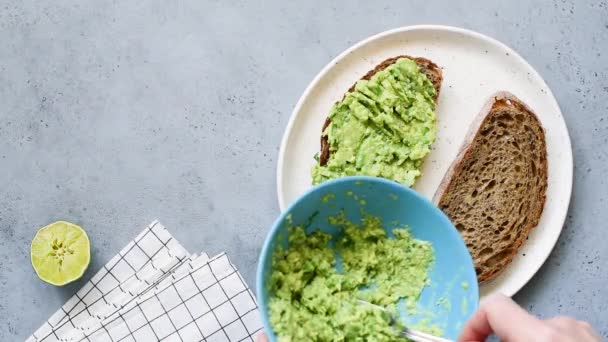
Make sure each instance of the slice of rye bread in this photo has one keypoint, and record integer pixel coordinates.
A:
(427, 67)
(494, 192)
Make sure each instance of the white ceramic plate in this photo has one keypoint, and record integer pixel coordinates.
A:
(474, 67)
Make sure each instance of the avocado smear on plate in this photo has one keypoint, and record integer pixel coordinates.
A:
(384, 128)
(312, 301)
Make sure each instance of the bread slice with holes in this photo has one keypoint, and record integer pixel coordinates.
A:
(494, 192)
(427, 67)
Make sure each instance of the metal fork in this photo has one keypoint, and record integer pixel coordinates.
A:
(414, 335)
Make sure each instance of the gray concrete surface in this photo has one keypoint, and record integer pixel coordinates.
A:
(114, 113)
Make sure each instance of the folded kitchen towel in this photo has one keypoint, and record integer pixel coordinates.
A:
(154, 290)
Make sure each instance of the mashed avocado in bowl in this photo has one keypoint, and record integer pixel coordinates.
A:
(313, 299)
(363, 238)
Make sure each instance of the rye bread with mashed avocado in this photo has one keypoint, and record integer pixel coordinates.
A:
(385, 124)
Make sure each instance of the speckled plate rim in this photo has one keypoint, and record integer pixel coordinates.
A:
(506, 283)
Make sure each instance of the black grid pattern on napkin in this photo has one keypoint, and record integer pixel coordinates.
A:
(178, 272)
(151, 242)
(210, 303)
(106, 309)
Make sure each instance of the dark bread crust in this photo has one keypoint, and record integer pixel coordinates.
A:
(452, 195)
(427, 67)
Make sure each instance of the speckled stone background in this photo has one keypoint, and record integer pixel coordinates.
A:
(115, 113)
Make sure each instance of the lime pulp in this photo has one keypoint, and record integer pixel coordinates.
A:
(60, 253)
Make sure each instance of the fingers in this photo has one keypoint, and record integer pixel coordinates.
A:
(262, 338)
(569, 326)
(501, 316)
(589, 331)
(562, 322)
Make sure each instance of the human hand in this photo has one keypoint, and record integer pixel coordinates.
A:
(262, 338)
(501, 316)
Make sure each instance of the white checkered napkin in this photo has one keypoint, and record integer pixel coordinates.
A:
(180, 272)
(126, 292)
(153, 248)
(210, 303)
(183, 269)
(126, 302)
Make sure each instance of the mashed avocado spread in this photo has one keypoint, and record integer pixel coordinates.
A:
(384, 128)
(312, 301)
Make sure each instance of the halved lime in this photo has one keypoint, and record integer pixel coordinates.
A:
(60, 253)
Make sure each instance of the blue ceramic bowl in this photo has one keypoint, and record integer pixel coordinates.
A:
(452, 295)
